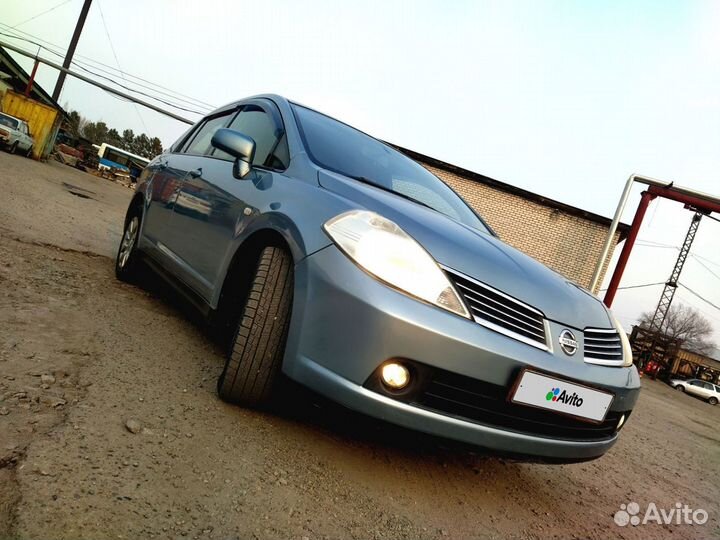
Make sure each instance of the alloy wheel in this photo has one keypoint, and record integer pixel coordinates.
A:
(128, 241)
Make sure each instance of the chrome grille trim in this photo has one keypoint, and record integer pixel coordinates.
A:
(467, 290)
(603, 346)
(500, 312)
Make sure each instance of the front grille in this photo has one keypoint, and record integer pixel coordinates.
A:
(500, 312)
(485, 403)
(603, 346)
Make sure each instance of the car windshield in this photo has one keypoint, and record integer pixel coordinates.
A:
(8, 121)
(345, 150)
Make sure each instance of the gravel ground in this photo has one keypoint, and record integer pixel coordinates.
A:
(110, 426)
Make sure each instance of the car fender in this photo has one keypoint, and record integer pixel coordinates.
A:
(298, 221)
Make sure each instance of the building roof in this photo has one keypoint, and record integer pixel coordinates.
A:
(18, 79)
(623, 228)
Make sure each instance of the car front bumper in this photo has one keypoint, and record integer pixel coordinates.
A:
(346, 324)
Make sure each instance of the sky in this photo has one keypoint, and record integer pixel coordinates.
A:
(565, 99)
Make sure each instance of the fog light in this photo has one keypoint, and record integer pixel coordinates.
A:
(621, 422)
(395, 376)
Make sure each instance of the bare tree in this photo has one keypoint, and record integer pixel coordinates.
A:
(686, 324)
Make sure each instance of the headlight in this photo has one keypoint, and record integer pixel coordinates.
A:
(384, 250)
(626, 348)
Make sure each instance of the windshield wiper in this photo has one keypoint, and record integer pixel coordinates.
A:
(366, 180)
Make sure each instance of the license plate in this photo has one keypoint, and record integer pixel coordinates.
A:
(564, 397)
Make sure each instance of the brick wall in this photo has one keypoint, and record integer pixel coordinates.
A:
(566, 243)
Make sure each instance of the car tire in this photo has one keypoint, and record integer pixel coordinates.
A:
(28, 154)
(126, 262)
(13, 148)
(680, 387)
(256, 350)
(713, 401)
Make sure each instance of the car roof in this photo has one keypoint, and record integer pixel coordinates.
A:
(11, 116)
(272, 97)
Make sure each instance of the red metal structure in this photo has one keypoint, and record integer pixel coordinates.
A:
(699, 201)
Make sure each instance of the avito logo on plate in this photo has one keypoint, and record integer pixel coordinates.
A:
(555, 394)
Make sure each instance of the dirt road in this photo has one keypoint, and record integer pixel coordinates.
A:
(81, 355)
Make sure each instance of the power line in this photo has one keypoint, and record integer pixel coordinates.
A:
(93, 61)
(141, 93)
(652, 243)
(41, 14)
(113, 81)
(691, 302)
(640, 244)
(122, 74)
(93, 82)
(707, 260)
(700, 297)
(638, 286)
(53, 48)
(706, 267)
(107, 78)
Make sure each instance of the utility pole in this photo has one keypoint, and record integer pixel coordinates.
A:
(71, 49)
(663, 307)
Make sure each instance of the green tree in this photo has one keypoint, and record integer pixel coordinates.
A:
(113, 137)
(97, 132)
(128, 138)
(156, 147)
(75, 124)
(142, 145)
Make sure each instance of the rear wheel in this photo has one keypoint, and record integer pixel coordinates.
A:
(28, 154)
(253, 363)
(713, 401)
(126, 263)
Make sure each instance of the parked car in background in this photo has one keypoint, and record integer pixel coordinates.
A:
(340, 262)
(703, 389)
(15, 135)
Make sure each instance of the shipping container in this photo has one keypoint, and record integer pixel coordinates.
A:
(44, 121)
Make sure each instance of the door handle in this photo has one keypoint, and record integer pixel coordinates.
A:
(197, 173)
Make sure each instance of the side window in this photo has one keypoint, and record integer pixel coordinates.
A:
(708, 386)
(270, 151)
(177, 145)
(199, 144)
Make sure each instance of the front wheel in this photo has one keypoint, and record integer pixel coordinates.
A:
(253, 363)
(713, 401)
(680, 387)
(13, 147)
(126, 263)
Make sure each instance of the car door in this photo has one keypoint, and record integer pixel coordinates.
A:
(706, 390)
(164, 184)
(212, 205)
(189, 203)
(24, 142)
(695, 387)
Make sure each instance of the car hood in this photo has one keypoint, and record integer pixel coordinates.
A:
(479, 255)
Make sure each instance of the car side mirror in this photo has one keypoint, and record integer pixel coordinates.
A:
(239, 146)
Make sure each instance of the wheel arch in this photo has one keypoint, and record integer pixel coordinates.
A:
(138, 201)
(240, 270)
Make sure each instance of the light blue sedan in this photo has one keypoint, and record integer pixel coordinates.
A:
(330, 257)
